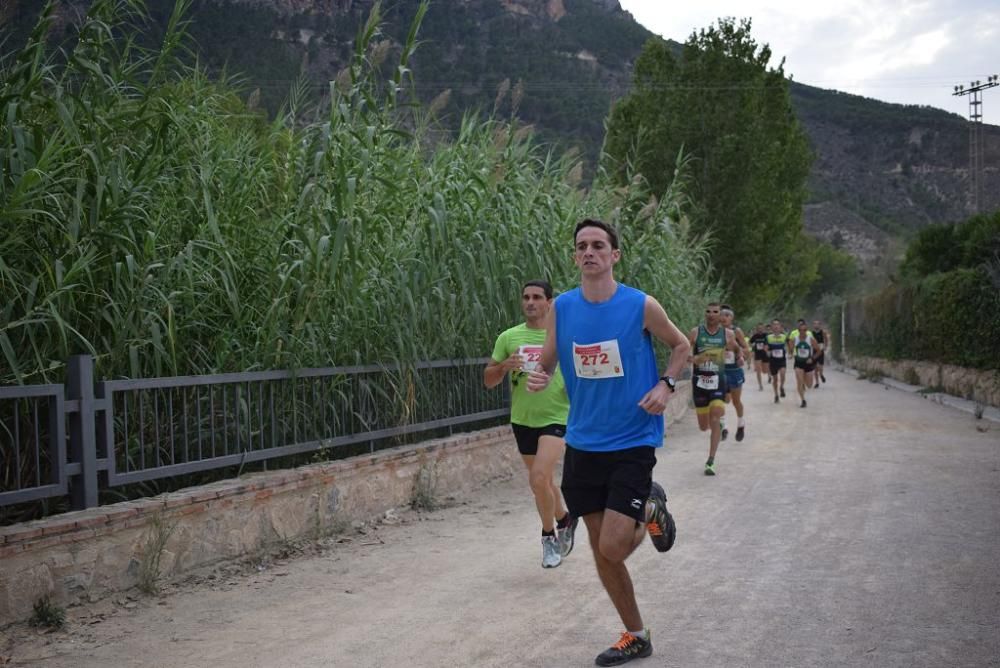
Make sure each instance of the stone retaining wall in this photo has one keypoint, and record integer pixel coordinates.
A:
(90, 554)
(972, 384)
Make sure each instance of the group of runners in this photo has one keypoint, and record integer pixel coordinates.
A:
(807, 347)
(720, 350)
(585, 387)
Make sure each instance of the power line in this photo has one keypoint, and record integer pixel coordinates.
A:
(975, 93)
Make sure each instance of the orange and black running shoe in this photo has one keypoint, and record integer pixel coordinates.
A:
(628, 648)
(660, 523)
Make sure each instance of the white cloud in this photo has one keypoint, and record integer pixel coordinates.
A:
(910, 53)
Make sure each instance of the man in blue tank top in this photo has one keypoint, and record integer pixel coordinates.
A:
(600, 334)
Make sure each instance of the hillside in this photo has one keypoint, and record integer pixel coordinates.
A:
(881, 170)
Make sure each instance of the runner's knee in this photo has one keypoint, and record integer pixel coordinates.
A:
(614, 551)
(540, 479)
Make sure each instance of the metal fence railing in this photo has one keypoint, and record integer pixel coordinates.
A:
(85, 436)
(32, 443)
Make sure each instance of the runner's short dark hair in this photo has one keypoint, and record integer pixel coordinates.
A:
(538, 283)
(607, 227)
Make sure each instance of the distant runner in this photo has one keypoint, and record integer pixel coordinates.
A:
(758, 341)
(538, 419)
(822, 337)
(777, 359)
(803, 346)
(709, 344)
(734, 372)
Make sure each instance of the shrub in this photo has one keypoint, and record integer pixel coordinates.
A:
(949, 317)
(47, 614)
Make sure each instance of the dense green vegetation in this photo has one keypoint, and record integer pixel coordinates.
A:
(719, 104)
(154, 220)
(946, 308)
(943, 248)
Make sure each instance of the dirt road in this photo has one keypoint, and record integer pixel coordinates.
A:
(861, 531)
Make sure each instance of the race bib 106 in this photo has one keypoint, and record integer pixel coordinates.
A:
(598, 360)
(531, 356)
(802, 353)
(708, 382)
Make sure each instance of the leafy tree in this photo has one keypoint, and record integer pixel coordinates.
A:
(837, 274)
(719, 102)
(934, 250)
(941, 248)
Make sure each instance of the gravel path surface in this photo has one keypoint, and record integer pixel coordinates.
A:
(861, 531)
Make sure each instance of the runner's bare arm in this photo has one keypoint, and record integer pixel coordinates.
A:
(495, 371)
(538, 379)
(731, 342)
(692, 337)
(656, 322)
(741, 339)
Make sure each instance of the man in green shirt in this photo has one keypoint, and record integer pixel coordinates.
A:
(538, 419)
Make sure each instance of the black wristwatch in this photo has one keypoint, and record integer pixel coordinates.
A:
(671, 383)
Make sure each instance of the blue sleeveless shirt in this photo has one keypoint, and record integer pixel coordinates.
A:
(607, 361)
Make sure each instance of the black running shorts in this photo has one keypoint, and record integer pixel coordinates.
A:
(761, 356)
(819, 359)
(527, 437)
(808, 367)
(702, 397)
(776, 364)
(620, 480)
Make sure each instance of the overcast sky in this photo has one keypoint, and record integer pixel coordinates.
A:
(908, 52)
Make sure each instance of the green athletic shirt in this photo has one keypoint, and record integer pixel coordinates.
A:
(776, 345)
(531, 409)
(713, 346)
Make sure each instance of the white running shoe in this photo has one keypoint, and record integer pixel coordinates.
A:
(551, 553)
(565, 537)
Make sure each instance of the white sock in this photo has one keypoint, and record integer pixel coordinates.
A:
(642, 635)
(722, 423)
(742, 422)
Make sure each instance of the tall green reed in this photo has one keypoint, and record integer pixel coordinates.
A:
(152, 218)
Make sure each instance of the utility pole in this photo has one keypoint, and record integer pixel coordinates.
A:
(975, 93)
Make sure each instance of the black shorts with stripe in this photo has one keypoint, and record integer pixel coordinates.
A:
(618, 480)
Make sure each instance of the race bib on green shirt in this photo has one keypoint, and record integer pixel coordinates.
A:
(531, 356)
